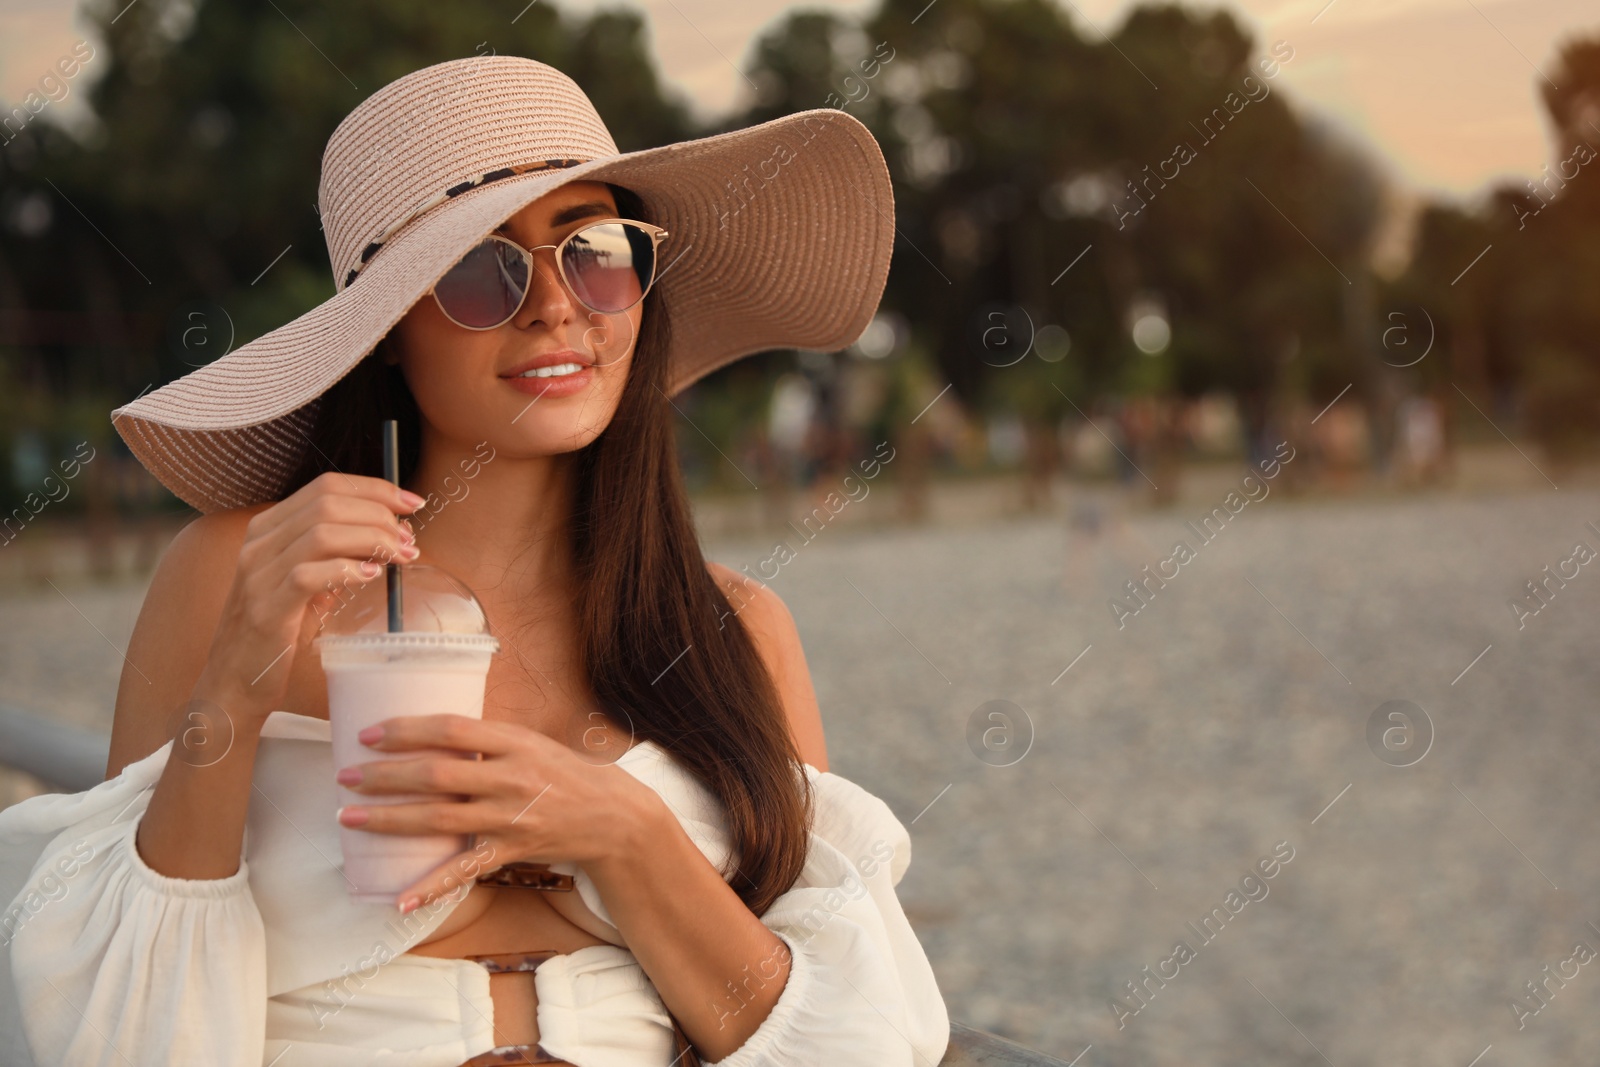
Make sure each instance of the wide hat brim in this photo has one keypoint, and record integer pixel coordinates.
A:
(781, 237)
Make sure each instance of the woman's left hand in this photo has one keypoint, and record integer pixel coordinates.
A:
(529, 798)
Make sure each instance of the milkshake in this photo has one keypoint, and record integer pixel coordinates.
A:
(426, 669)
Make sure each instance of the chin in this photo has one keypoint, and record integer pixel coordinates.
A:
(551, 432)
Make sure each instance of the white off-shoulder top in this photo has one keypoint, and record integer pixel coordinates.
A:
(104, 961)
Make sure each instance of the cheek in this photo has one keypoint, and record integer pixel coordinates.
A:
(612, 337)
(439, 364)
(627, 340)
(616, 358)
(618, 365)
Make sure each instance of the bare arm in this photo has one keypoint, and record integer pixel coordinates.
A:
(198, 800)
(228, 610)
(717, 967)
(168, 649)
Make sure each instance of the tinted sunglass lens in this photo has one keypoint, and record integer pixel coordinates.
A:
(610, 265)
(486, 287)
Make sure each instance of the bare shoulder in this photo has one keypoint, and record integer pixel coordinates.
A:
(767, 618)
(172, 636)
(761, 610)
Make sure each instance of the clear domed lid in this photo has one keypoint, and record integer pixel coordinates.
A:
(432, 601)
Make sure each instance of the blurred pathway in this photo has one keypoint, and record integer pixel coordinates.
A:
(1156, 765)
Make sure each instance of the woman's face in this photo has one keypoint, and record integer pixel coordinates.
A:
(470, 385)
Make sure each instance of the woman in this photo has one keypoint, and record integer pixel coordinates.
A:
(649, 728)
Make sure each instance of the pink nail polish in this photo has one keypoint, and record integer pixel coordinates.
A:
(352, 817)
(370, 736)
(408, 904)
(349, 776)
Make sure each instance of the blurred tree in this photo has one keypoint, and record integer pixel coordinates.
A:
(1509, 283)
(1572, 95)
(1257, 247)
(1046, 178)
(985, 112)
(1552, 317)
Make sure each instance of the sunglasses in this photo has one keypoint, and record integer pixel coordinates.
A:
(608, 266)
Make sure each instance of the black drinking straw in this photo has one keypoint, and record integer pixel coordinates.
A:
(391, 471)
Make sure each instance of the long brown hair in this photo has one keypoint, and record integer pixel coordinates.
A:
(658, 642)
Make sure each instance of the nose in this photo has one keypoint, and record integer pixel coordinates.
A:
(548, 299)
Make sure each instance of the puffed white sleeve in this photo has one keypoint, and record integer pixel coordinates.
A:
(860, 990)
(104, 961)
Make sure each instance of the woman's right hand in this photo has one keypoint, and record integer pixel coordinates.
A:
(333, 533)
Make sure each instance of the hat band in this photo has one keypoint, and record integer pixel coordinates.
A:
(454, 191)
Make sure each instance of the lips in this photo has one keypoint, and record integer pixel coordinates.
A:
(549, 359)
(566, 373)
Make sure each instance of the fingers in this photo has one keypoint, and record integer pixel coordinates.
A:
(359, 487)
(424, 817)
(445, 774)
(328, 526)
(287, 591)
(451, 878)
(344, 543)
(450, 731)
(325, 556)
(295, 555)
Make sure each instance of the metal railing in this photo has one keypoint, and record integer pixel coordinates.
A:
(71, 760)
(63, 757)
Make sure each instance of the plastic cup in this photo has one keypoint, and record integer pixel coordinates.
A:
(378, 676)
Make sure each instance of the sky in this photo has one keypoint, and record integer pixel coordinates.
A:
(1443, 92)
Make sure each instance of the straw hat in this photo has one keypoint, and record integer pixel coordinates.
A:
(781, 236)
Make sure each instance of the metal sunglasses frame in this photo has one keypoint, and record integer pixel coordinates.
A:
(656, 234)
